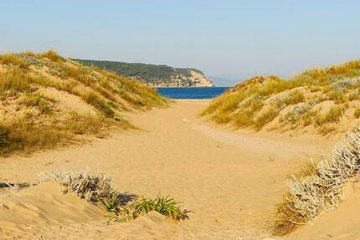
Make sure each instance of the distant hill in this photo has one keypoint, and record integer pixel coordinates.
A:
(154, 75)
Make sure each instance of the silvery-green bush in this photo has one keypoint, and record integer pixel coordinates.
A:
(94, 188)
(322, 190)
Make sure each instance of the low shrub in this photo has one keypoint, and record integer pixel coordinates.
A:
(297, 112)
(98, 189)
(321, 190)
(93, 188)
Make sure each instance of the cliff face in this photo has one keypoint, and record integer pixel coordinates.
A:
(193, 78)
(155, 75)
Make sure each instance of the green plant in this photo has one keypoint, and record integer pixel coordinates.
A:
(164, 205)
(112, 204)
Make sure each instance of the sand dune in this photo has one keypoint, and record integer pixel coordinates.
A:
(230, 180)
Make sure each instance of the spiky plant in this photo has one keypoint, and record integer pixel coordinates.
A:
(164, 205)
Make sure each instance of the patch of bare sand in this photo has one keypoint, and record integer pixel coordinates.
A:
(68, 102)
(230, 180)
(23, 213)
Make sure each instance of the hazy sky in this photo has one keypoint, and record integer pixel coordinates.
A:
(224, 38)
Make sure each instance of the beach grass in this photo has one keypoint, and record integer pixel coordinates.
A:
(294, 103)
(32, 119)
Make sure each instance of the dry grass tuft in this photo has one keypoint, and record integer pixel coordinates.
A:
(266, 117)
(4, 137)
(27, 136)
(332, 116)
(53, 56)
(357, 113)
(96, 100)
(14, 80)
(14, 60)
(326, 130)
(322, 189)
(36, 100)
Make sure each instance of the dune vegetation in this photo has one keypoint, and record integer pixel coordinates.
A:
(320, 187)
(47, 100)
(98, 189)
(324, 101)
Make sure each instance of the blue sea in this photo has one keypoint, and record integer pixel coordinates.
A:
(192, 93)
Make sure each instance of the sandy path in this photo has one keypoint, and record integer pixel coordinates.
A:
(231, 181)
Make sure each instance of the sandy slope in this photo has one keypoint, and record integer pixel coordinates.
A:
(230, 181)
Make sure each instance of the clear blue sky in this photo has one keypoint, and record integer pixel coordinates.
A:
(227, 38)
